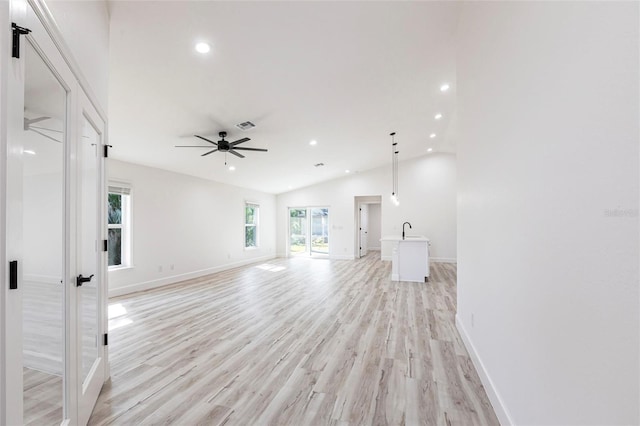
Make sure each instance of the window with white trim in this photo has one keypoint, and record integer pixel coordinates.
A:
(119, 224)
(251, 220)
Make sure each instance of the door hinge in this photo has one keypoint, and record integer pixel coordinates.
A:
(17, 32)
(106, 151)
(105, 245)
(13, 275)
(105, 340)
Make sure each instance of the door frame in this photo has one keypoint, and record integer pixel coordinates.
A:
(50, 39)
(358, 201)
(308, 252)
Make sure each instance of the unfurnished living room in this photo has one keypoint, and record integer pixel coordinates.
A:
(319, 213)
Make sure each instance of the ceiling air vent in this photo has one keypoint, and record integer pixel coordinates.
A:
(246, 125)
(318, 165)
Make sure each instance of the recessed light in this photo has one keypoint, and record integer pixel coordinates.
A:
(29, 151)
(313, 142)
(432, 135)
(232, 168)
(444, 87)
(290, 186)
(347, 171)
(430, 149)
(203, 47)
(438, 116)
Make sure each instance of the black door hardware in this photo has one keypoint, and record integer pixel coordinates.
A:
(17, 32)
(13, 275)
(82, 279)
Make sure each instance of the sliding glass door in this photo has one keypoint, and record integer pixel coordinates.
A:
(308, 231)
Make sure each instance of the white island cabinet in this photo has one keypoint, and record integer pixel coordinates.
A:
(410, 258)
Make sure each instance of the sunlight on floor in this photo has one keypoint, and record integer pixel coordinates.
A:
(116, 310)
(272, 268)
(117, 316)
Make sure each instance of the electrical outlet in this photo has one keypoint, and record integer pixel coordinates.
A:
(228, 255)
(160, 268)
(171, 267)
(472, 321)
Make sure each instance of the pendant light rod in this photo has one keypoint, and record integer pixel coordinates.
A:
(394, 169)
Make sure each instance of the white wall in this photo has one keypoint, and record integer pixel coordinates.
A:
(374, 226)
(84, 25)
(194, 224)
(427, 187)
(548, 208)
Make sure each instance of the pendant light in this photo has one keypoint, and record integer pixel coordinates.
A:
(394, 170)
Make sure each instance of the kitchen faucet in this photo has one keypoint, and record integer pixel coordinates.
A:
(406, 223)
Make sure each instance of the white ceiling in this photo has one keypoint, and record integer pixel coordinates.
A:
(343, 73)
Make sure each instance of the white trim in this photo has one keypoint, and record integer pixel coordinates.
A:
(431, 259)
(342, 257)
(148, 285)
(443, 259)
(46, 18)
(504, 417)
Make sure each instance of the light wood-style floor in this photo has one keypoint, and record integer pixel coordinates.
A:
(42, 398)
(293, 341)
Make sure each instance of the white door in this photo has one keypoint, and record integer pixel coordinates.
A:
(364, 226)
(55, 356)
(90, 259)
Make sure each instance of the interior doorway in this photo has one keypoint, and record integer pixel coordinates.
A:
(308, 231)
(368, 224)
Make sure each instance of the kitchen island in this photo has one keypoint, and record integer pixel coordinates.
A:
(409, 258)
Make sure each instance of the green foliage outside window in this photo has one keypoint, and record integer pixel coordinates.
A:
(114, 219)
(251, 212)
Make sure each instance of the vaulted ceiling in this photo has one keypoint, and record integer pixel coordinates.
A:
(344, 74)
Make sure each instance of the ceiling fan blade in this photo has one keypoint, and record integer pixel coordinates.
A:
(237, 154)
(205, 139)
(253, 149)
(239, 141)
(207, 153)
(192, 146)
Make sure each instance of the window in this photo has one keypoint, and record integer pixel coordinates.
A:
(118, 220)
(251, 213)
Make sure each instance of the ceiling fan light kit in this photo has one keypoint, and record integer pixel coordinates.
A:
(224, 146)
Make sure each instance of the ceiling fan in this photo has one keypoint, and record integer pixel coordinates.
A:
(223, 146)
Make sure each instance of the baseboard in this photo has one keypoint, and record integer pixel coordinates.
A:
(504, 417)
(443, 259)
(341, 257)
(148, 285)
(389, 258)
